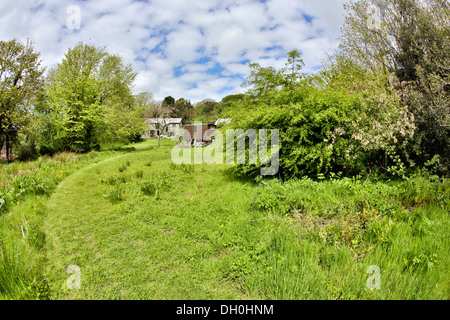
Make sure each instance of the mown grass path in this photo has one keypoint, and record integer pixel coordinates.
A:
(132, 245)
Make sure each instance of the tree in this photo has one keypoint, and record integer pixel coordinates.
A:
(90, 100)
(206, 110)
(294, 65)
(156, 111)
(183, 109)
(74, 94)
(262, 80)
(144, 100)
(231, 103)
(265, 81)
(168, 101)
(20, 81)
(122, 116)
(410, 44)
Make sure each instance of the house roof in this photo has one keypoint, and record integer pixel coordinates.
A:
(166, 120)
(226, 121)
(199, 124)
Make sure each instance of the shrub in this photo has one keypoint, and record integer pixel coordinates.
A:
(66, 157)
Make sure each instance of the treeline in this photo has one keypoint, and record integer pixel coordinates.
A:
(379, 106)
(85, 102)
(207, 110)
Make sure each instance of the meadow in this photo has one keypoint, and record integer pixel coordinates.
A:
(140, 227)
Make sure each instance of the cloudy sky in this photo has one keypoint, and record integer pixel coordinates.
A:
(195, 49)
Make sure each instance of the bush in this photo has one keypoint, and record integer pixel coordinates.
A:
(25, 151)
(66, 157)
(315, 132)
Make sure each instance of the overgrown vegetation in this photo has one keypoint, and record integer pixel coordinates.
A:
(363, 176)
(25, 188)
(372, 109)
(326, 234)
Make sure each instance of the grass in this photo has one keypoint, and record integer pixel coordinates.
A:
(141, 227)
(25, 188)
(329, 233)
(152, 244)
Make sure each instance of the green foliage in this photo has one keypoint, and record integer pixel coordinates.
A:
(148, 163)
(139, 174)
(123, 167)
(338, 225)
(343, 119)
(116, 195)
(206, 111)
(186, 168)
(21, 81)
(149, 189)
(18, 279)
(272, 198)
(90, 101)
(411, 47)
(183, 109)
(306, 120)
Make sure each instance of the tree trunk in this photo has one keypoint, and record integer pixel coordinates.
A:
(8, 146)
(158, 139)
(385, 158)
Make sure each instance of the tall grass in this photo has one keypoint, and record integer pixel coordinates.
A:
(323, 236)
(19, 278)
(24, 190)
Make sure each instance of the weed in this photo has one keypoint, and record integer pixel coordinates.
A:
(139, 174)
(115, 195)
(149, 189)
(186, 168)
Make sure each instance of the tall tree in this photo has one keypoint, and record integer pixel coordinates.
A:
(20, 80)
(122, 116)
(264, 81)
(409, 42)
(90, 100)
(294, 65)
(183, 109)
(206, 110)
(74, 97)
(168, 101)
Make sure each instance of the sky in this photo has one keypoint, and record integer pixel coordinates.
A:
(192, 49)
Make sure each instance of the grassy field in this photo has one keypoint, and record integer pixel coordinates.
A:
(139, 227)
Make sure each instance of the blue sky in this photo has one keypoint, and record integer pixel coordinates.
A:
(187, 49)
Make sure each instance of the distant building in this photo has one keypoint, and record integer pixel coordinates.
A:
(165, 127)
(195, 133)
(223, 121)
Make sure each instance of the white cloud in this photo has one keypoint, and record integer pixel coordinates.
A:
(158, 36)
